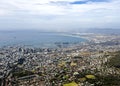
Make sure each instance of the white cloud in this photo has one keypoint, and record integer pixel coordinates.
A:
(33, 12)
(44, 6)
(2, 12)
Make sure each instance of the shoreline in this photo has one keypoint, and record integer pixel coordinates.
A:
(38, 42)
(75, 36)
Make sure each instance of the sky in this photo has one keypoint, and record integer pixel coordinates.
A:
(59, 15)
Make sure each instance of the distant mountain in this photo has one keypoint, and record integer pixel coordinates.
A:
(97, 30)
(104, 31)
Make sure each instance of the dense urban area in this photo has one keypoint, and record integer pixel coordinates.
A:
(95, 62)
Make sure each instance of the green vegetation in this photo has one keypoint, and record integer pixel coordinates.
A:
(22, 73)
(107, 80)
(71, 84)
(115, 60)
(90, 76)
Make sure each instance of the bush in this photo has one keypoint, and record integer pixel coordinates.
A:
(115, 60)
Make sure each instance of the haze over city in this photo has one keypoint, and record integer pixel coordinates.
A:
(59, 42)
(59, 15)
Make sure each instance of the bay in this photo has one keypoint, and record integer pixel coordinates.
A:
(34, 38)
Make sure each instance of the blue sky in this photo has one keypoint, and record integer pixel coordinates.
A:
(59, 15)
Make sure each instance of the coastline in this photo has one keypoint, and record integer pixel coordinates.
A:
(77, 36)
(44, 39)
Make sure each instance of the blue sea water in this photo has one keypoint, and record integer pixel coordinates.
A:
(35, 38)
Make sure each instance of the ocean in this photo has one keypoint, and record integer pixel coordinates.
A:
(34, 38)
